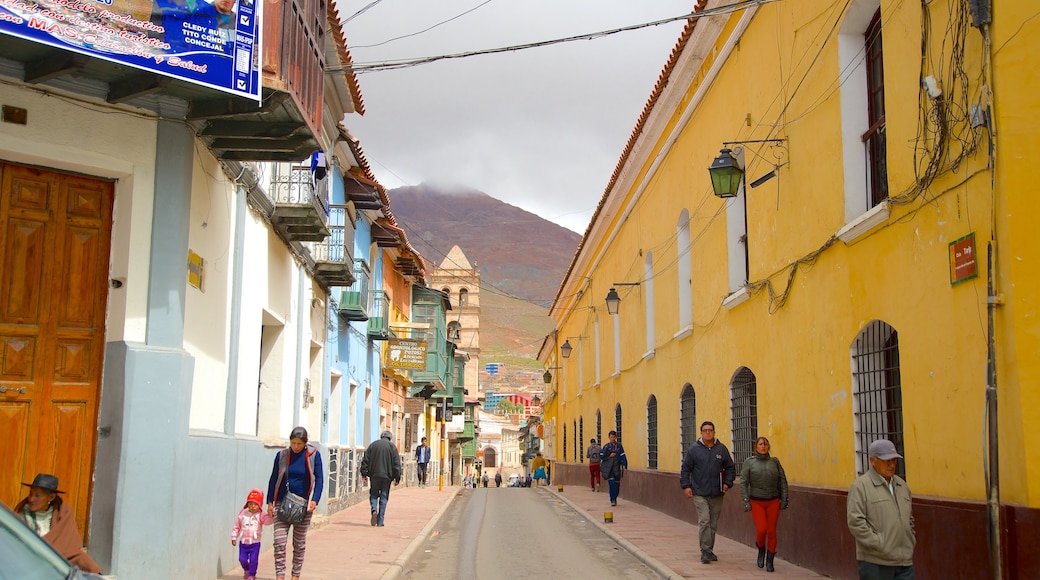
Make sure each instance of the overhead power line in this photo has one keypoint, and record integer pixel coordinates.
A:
(407, 63)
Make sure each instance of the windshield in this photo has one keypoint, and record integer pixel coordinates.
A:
(25, 555)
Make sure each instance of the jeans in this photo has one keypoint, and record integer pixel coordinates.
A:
(871, 571)
(708, 510)
(615, 488)
(378, 495)
(422, 472)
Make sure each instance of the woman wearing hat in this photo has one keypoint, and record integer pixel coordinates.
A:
(297, 473)
(52, 519)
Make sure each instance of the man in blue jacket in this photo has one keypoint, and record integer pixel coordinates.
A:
(707, 474)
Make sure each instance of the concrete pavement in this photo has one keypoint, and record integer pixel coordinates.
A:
(346, 546)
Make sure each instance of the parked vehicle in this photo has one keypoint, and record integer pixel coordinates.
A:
(26, 555)
(514, 480)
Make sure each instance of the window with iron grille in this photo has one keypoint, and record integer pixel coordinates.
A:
(687, 419)
(577, 444)
(565, 442)
(617, 420)
(651, 433)
(877, 396)
(581, 440)
(744, 412)
(599, 428)
(874, 138)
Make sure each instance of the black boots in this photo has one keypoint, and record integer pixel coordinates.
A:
(769, 561)
(761, 555)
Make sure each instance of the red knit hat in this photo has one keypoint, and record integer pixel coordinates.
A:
(257, 496)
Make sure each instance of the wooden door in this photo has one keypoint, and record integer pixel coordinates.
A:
(55, 230)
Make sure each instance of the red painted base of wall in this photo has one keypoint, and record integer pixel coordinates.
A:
(951, 535)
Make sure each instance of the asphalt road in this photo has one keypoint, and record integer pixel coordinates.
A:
(507, 533)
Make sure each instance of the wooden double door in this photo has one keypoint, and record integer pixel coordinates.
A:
(55, 232)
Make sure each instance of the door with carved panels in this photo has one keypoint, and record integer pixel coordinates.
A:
(55, 230)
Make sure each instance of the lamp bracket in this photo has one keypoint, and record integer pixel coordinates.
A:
(625, 284)
(754, 141)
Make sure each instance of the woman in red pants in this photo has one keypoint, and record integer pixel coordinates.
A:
(763, 486)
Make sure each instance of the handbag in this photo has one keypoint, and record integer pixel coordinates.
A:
(292, 509)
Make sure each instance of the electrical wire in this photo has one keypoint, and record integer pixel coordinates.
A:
(456, 17)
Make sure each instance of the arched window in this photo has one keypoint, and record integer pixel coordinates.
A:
(490, 457)
(617, 420)
(744, 414)
(577, 444)
(877, 395)
(687, 419)
(463, 297)
(651, 433)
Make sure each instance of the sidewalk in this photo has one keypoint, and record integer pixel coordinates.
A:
(669, 545)
(346, 546)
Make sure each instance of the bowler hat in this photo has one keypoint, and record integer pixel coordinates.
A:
(45, 481)
(883, 449)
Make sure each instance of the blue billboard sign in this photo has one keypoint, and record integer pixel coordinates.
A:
(214, 43)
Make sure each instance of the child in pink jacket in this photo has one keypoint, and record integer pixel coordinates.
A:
(249, 525)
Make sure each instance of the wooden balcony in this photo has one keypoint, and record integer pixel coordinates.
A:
(333, 263)
(379, 317)
(301, 205)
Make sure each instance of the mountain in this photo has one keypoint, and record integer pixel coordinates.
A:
(521, 258)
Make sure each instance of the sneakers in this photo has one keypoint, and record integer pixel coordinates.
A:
(375, 517)
(613, 503)
(708, 556)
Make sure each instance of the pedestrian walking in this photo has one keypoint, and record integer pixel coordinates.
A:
(422, 460)
(249, 526)
(707, 474)
(498, 479)
(45, 512)
(880, 517)
(295, 487)
(538, 469)
(594, 464)
(382, 464)
(485, 479)
(613, 462)
(763, 487)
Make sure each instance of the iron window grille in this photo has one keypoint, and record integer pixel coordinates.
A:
(577, 443)
(744, 413)
(565, 442)
(877, 396)
(581, 440)
(651, 433)
(687, 419)
(617, 421)
(599, 428)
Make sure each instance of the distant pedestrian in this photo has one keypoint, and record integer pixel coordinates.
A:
(382, 464)
(880, 517)
(763, 487)
(538, 469)
(485, 479)
(296, 478)
(613, 462)
(594, 464)
(422, 460)
(707, 474)
(498, 479)
(249, 526)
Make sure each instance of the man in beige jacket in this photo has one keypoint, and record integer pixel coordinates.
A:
(880, 518)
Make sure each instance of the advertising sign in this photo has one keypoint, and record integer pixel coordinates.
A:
(214, 43)
(406, 354)
(963, 265)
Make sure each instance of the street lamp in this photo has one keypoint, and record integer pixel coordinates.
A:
(725, 174)
(613, 300)
(565, 350)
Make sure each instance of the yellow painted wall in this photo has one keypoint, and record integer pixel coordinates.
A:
(782, 80)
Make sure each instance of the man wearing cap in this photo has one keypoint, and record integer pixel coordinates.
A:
(382, 463)
(880, 518)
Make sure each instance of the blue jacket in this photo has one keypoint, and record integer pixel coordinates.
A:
(611, 467)
(704, 470)
(297, 477)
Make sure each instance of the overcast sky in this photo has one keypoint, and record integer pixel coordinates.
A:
(541, 128)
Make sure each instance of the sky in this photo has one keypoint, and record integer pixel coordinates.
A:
(541, 128)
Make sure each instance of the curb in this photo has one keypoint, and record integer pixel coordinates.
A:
(651, 562)
(398, 565)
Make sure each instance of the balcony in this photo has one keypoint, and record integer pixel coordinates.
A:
(379, 317)
(283, 125)
(333, 264)
(355, 301)
(301, 205)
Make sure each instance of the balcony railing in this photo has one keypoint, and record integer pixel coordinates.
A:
(356, 302)
(379, 317)
(332, 260)
(301, 203)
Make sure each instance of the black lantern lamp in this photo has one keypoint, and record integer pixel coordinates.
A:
(613, 300)
(547, 377)
(725, 174)
(566, 349)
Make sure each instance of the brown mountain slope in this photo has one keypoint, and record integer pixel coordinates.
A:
(521, 258)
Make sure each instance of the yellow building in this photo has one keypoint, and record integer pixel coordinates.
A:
(841, 294)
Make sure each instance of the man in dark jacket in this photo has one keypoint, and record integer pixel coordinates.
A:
(382, 463)
(707, 474)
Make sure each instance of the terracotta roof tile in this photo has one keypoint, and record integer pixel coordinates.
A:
(336, 29)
